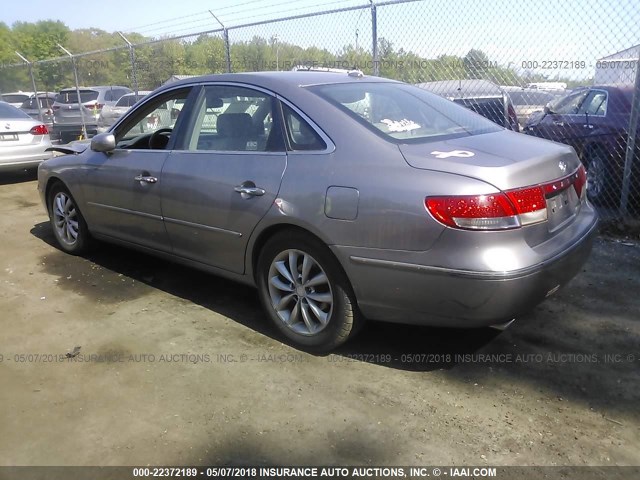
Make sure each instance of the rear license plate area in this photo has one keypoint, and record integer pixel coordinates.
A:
(560, 207)
(8, 137)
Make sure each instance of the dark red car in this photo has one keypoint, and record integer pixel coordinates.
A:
(595, 122)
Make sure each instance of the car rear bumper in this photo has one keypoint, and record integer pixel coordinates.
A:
(425, 295)
(25, 156)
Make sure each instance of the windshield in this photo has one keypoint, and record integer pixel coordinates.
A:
(128, 100)
(404, 113)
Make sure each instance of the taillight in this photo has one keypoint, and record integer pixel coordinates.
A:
(94, 106)
(497, 211)
(505, 210)
(56, 107)
(39, 130)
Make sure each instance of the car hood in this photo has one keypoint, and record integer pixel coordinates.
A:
(503, 159)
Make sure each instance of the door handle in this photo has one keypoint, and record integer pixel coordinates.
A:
(587, 126)
(559, 124)
(145, 178)
(251, 191)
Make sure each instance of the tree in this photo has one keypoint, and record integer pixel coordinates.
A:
(476, 63)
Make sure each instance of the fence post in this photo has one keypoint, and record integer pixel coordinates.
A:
(75, 75)
(227, 46)
(374, 38)
(631, 143)
(33, 84)
(132, 57)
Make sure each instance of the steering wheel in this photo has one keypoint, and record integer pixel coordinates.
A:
(159, 139)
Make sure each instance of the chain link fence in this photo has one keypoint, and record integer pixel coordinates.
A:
(559, 71)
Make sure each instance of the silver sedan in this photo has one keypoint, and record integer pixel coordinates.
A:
(339, 196)
(23, 140)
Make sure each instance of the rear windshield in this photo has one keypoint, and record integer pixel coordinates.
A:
(16, 98)
(70, 96)
(403, 113)
(31, 103)
(8, 111)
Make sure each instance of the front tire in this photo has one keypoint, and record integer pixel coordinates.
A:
(67, 222)
(305, 293)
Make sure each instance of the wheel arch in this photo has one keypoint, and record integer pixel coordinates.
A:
(257, 244)
(51, 182)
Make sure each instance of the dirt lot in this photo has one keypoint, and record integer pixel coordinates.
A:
(178, 367)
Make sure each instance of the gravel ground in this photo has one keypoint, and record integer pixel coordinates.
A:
(178, 367)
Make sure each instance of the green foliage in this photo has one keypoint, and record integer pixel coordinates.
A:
(103, 58)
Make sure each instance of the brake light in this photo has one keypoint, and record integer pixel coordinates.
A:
(504, 210)
(56, 107)
(498, 211)
(94, 106)
(39, 130)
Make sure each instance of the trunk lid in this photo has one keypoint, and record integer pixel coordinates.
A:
(510, 161)
(503, 159)
(18, 132)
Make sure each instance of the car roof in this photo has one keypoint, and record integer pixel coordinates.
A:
(463, 88)
(275, 80)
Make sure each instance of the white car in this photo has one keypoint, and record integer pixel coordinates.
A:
(16, 98)
(23, 140)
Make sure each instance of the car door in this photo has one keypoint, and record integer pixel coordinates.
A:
(594, 109)
(562, 123)
(225, 176)
(122, 188)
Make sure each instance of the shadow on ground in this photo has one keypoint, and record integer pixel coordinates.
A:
(579, 343)
(18, 176)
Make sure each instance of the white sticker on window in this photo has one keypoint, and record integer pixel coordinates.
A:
(400, 125)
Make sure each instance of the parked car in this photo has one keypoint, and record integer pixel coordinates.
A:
(481, 96)
(527, 101)
(69, 112)
(45, 101)
(15, 99)
(595, 122)
(340, 197)
(110, 114)
(23, 140)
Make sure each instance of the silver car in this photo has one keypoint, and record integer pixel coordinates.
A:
(340, 197)
(44, 109)
(69, 112)
(23, 140)
(111, 113)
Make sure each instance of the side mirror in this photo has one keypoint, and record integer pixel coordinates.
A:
(547, 110)
(103, 142)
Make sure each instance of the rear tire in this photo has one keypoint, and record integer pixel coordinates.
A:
(67, 222)
(305, 293)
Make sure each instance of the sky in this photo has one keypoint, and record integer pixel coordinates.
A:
(520, 34)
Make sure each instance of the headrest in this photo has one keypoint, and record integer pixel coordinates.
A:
(234, 125)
